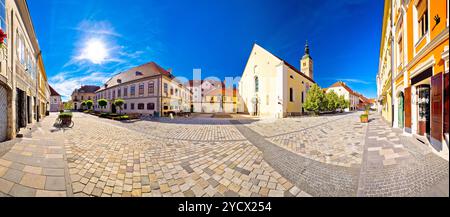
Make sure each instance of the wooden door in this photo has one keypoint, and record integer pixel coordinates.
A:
(408, 109)
(436, 107)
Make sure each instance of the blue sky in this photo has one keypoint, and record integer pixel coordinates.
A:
(215, 36)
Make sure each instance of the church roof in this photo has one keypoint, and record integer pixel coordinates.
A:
(289, 65)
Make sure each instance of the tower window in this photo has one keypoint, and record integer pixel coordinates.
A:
(256, 84)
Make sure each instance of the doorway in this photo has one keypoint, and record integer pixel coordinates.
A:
(3, 113)
(423, 104)
(401, 110)
(113, 108)
(21, 119)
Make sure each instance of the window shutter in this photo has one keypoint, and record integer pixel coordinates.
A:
(421, 8)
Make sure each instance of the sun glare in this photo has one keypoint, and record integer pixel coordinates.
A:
(95, 51)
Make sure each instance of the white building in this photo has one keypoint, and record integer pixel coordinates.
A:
(147, 89)
(341, 89)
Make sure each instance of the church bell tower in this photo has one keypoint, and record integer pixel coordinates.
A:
(306, 63)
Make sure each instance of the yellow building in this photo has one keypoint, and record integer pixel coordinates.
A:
(271, 87)
(19, 91)
(42, 106)
(223, 100)
(420, 71)
(384, 76)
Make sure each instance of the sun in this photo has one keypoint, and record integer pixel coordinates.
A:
(95, 51)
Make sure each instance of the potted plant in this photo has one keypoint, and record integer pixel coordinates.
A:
(66, 118)
(364, 118)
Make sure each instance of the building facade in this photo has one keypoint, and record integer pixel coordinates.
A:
(19, 91)
(147, 89)
(271, 87)
(384, 76)
(199, 88)
(44, 91)
(79, 95)
(223, 100)
(56, 103)
(420, 41)
(341, 89)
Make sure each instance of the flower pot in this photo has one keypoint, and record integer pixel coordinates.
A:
(364, 119)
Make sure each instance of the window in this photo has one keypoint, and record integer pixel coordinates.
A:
(256, 84)
(166, 87)
(132, 106)
(291, 94)
(422, 18)
(151, 88)
(166, 107)
(303, 97)
(150, 106)
(171, 91)
(125, 91)
(267, 100)
(125, 106)
(113, 94)
(132, 90)
(141, 106)
(400, 51)
(82, 97)
(119, 92)
(141, 89)
(21, 50)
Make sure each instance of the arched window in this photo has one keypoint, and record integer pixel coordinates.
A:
(256, 84)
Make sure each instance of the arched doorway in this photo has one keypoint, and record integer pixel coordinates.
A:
(401, 110)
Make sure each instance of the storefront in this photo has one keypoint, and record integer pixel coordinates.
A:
(427, 107)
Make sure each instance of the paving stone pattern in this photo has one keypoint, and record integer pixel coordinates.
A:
(330, 155)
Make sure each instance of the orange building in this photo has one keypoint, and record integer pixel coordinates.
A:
(420, 37)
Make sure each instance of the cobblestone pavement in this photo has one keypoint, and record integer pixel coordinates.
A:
(308, 156)
(397, 165)
(316, 178)
(328, 142)
(194, 129)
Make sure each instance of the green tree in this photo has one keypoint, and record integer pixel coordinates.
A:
(315, 100)
(83, 104)
(102, 103)
(119, 103)
(89, 103)
(68, 105)
(332, 101)
(343, 103)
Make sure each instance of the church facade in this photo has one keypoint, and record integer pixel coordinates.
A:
(271, 87)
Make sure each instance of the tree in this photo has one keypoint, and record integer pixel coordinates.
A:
(343, 103)
(102, 103)
(68, 105)
(83, 104)
(89, 103)
(315, 99)
(332, 101)
(119, 103)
